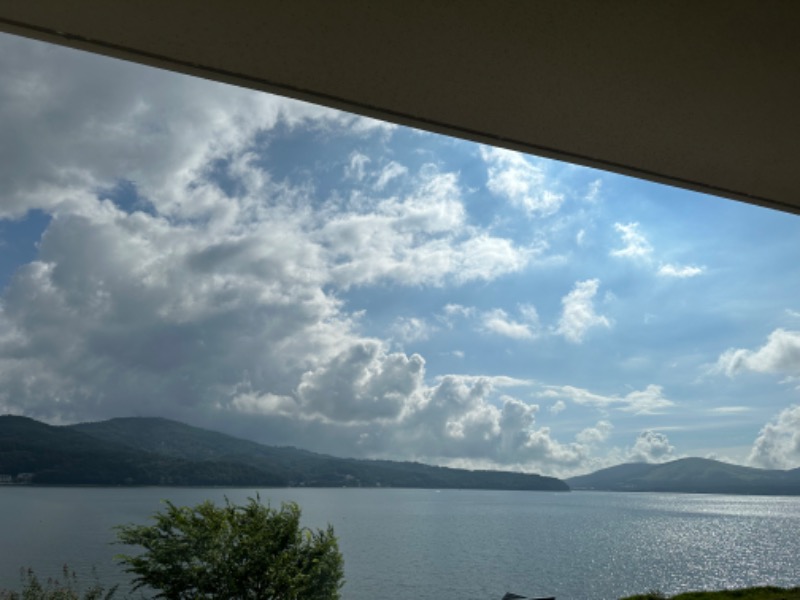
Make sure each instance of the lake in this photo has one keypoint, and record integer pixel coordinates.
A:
(453, 544)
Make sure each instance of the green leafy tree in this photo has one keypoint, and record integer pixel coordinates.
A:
(248, 552)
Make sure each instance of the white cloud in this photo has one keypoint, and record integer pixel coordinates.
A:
(456, 419)
(651, 447)
(780, 354)
(635, 243)
(558, 407)
(637, 247)
(422, 239)
(493, 381)
(485, 258)
(595, 189)
(529, 314)
(128, 310)
(680, 271)
(595, 435)
(650, 400)
(391, 171)
(515, 177)
(458, 310)
(250, 403)
(452, 312)
(578, 314)
(361, 384)
(355, 169)
(411, 329)
(729, 410)
(498, 321)
(74, 122)
(778, 442)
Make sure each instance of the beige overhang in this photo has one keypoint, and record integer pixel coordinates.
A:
(699, 94)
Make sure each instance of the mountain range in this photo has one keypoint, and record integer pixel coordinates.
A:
(154, 451)
(690, 475)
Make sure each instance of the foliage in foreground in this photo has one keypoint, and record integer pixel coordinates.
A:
(249, 552)
(757, 593)
(55, 589)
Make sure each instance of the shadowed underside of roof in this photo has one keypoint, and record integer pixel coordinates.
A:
(701, 95)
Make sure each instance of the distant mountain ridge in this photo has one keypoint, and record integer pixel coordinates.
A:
(63, 456)
(154, 451)
(690, 475)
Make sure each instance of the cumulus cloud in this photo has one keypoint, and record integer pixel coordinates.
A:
(780, 354)
(411, 329)
(578, 314)
(497, 321)
(778, 443)
(650, 400)
(680, 271)
(595, 435)
(74, 121)
(128, 310)
(558, 406)
(635, 244)
(456, 423)
(422, 239)
(133, 312)
(651, 447)
(577, 317)
(362, 384)
(517, 178)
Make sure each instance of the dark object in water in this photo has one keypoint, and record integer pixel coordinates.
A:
(512, 596)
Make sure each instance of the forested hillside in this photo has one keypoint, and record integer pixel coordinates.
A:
(149, 451)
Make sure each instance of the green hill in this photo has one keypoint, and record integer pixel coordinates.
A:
(149, 451)
(60, 455)
(690, 475)
(301, 467)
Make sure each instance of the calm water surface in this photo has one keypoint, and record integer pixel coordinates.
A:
(452, 544)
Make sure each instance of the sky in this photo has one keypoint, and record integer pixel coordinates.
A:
(301, 276)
